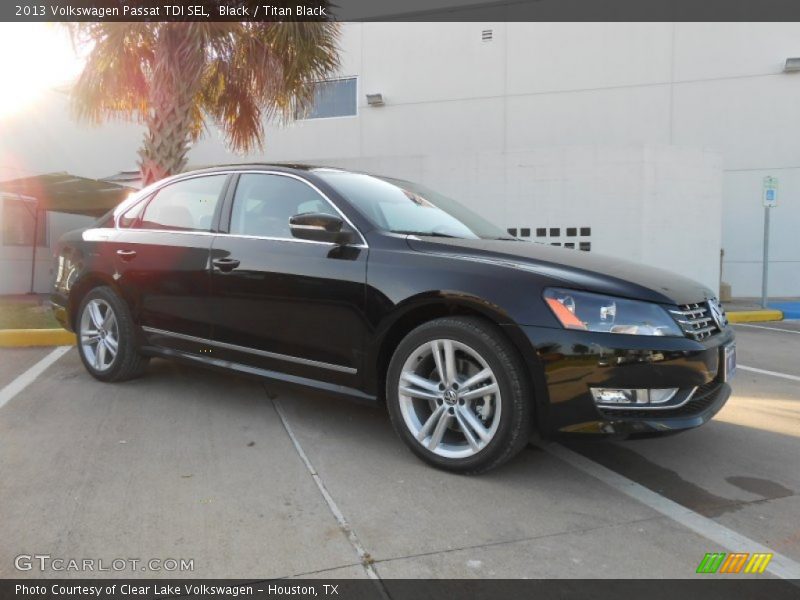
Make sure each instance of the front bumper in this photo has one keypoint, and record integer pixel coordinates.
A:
(575, 361)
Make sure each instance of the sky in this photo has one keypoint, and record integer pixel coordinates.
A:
(36, 57)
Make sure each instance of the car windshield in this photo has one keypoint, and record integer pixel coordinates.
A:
(404, 207)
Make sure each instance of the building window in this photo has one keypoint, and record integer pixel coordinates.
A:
(19, 217)
(334, 98)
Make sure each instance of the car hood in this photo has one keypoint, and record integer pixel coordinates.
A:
(574, 268)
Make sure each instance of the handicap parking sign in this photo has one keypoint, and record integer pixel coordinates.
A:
(769, 196)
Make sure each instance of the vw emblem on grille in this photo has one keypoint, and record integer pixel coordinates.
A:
(716, 313)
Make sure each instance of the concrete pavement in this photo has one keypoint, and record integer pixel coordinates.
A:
(193, 464)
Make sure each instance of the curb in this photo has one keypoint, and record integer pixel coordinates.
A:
(754, 316)
(790, 309)
(18, 338)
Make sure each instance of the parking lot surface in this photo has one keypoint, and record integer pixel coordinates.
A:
(256, 479)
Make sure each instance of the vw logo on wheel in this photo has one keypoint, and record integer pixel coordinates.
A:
(450, 397)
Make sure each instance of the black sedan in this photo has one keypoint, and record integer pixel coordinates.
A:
(384, 290)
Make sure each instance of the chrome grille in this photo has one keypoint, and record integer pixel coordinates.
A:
(698, 321)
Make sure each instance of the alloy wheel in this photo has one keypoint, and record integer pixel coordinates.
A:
(449, 398)
(99, 334)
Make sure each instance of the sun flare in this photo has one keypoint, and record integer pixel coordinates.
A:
(37, 57)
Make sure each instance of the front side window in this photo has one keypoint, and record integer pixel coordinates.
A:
(186, 205)
(405, 207)
(334, 98)
(263, 205)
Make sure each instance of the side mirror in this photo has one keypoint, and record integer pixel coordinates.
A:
(321, 227)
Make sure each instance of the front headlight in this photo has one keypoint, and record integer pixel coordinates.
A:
(594, 312)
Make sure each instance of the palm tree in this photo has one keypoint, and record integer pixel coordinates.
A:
(177, 78)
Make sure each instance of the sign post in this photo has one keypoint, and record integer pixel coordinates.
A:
(769, 198)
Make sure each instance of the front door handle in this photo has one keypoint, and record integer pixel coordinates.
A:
(126, 255)
(226, 265)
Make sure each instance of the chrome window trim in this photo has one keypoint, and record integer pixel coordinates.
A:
(264, 353)
(178, 231)
(292, 240)
(239, 235)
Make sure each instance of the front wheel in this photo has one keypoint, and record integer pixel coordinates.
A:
(457, 395)
(107, 337)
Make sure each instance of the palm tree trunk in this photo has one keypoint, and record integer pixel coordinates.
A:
(167, 140)
(169, 122)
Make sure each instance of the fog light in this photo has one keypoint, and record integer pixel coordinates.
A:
(637, 397)
(609, 396)
(663, 395)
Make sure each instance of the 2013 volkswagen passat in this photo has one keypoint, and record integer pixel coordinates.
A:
(385, 290)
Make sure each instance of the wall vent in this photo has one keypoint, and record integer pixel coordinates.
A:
(486, 35)
(556, 234)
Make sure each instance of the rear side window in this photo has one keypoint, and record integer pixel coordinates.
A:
(131, 216)
(187, 205)
(263, 205)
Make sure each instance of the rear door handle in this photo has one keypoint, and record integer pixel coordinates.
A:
(225, 265)
(126, 255)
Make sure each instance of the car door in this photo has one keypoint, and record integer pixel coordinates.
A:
(280, 303)
(161, 254)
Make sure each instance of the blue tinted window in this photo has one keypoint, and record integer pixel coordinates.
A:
(335, 98)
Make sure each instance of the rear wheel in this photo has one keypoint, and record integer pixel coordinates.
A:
(107, 337)
(457, 395)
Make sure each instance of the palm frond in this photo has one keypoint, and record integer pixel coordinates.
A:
(114, 82)
(177, 77)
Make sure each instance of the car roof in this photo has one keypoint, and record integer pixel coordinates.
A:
(287, 167)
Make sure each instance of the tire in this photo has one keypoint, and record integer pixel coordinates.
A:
(99, 333)
(418, 399)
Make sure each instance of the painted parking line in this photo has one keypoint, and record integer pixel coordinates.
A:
(28, 377)
(771, 373)
(780, 566)
(363, 555)
(767, 328)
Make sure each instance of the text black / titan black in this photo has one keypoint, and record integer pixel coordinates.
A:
(384, 290)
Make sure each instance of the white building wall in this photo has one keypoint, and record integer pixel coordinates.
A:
(706, 89)
(633, 198)
(46, 139)
(709, 86)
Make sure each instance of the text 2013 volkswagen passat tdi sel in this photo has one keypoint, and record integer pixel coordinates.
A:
(388, 291)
